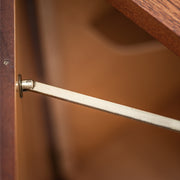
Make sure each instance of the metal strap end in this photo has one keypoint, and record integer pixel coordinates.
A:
(23, 85)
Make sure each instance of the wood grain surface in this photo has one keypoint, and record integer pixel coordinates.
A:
(7, 94)
(159, 18)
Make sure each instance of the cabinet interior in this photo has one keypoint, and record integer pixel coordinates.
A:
(89, 47)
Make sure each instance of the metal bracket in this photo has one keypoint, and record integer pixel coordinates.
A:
(97, 103)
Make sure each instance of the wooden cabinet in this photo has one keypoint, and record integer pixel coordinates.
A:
(91, 48)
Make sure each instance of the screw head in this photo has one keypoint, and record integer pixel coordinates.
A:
(6, 62)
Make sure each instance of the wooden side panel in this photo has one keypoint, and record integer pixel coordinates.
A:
(7, 95)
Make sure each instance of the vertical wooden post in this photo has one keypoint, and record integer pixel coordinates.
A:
(7, 91)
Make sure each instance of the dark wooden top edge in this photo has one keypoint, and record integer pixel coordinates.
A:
(149, 23)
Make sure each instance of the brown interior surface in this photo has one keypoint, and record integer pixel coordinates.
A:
(33, 159)
(85, 49)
